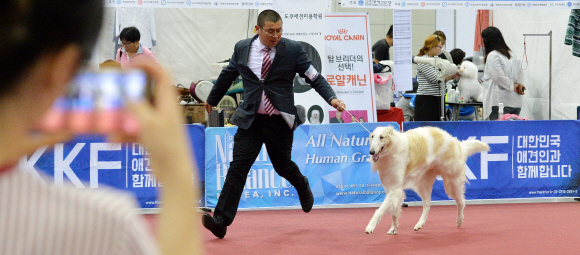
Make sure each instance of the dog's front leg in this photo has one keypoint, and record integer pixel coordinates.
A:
(397, 197)
(377, 217)
(395, 225)
(391, 204)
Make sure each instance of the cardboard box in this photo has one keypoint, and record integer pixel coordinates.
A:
(194, 113)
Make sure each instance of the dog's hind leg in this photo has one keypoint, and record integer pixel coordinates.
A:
(455, 188)
(392, 205)
(460, 199)
(424, 191)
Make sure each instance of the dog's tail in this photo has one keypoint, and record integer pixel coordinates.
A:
(470, 147)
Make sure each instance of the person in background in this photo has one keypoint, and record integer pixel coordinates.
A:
(37, 217)
(444, 54)
(352, 119)
(466, 112)
(381, 47)
(131, 50)
(502, 78)
(337, 118)
(361, 120)
(428, 99)
(268, 64)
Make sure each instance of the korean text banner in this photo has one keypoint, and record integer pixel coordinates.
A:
(332, 156)
(461, 4)
(303, 21)
(348, 60)
(91, 162)
(201, 4)
(528, 159)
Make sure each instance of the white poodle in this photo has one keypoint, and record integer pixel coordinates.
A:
(469, 87)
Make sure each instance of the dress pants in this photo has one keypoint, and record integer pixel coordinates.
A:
(278, 137)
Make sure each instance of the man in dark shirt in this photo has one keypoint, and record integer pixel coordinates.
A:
(382, 46)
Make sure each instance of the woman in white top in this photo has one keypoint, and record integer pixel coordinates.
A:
(428, 99)
(502, 77)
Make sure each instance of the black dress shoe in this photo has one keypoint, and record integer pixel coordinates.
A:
(214, 225)
(306, 197)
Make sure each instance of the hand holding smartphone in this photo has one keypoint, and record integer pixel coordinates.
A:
(95, 103)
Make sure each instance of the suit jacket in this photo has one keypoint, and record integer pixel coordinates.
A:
(278, 85)
(335, 120)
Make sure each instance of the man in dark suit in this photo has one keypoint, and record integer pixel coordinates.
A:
(268, 64)
(337, 118)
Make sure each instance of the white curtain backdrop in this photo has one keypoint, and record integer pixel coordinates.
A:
(189, 40)
(565, 67)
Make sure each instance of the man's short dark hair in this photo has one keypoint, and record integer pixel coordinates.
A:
(268, 15)
(390, 33)
(457, 55)
(33, 28)
(130, 34)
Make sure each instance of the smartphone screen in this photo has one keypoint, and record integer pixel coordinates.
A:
(81, 97)
(95, 102)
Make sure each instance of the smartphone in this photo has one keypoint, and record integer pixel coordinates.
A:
(95, 102)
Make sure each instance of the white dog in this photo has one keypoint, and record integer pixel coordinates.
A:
(412, 160)
(469, 87)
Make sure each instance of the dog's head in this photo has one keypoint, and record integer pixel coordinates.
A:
(468, 70)
(380, 141)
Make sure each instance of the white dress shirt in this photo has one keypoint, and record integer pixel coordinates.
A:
(255, 64)
(500, 75)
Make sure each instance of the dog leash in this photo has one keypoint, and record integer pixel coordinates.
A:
(355, 119)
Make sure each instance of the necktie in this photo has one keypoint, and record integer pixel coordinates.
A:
(266, 63)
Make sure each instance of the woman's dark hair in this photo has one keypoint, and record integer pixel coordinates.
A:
(457, 55)
(493, 40)
(31, 29)
(130, 34)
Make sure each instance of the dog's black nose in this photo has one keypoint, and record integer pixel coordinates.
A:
(372, 152)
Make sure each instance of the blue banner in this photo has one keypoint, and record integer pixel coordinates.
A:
(90, 162)
(528, 159)
(332, 156)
